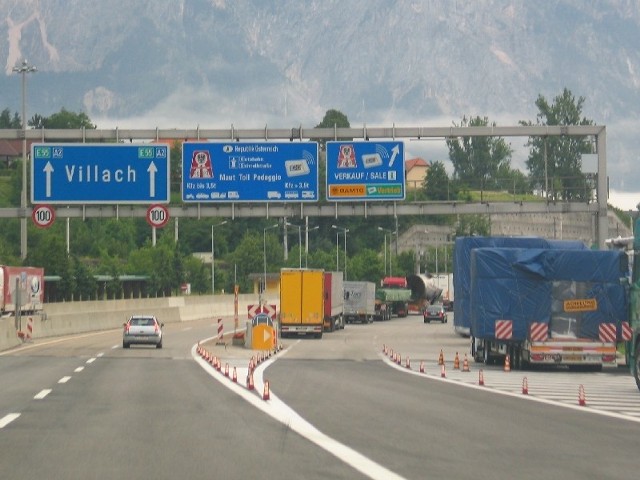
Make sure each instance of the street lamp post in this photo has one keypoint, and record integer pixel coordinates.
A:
(306, 245)
(299, 242)
(390, 232)
(23, 70)
(343, 230)
(213, 259)
(264, 257)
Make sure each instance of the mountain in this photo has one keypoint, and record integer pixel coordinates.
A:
(213, 63)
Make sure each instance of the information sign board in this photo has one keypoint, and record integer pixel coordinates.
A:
(99, 173)
(249, 172)
(365, 171)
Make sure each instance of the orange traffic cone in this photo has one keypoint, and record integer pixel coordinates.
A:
(441, 358)
(525, 386)
(582, 401)
(226, 369)
(507, 363)
(235, 375)
(443, 373)
(480, 377)
(421, 367)
(250, 385)
(265, 391)
(407, 363)
(465, 364)
(456, 362)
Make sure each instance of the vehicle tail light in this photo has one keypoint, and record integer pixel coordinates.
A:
(126, 328)
(156, 328)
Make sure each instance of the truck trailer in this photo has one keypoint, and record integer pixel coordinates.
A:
(301, 302)
(359, 302)
(462, 273)
(21, 289)
(548, 307)
(333, 301)
(424, 291)
(392, 298)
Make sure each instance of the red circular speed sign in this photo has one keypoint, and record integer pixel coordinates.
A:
(43, 216)
(157, 216)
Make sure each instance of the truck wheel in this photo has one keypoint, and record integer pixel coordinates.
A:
(486, 356)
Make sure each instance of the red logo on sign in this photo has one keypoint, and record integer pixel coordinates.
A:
(201, 166)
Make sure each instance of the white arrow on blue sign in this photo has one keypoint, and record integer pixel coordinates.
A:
(97, 173)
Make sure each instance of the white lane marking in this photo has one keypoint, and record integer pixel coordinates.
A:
(64, 379)
(79, 369)
(280, 411)
(514, 394)
(101, 354)
(115, 346)
(42, 394)
(187, 329)
(7, 419)
(91, 360)
(58, 340)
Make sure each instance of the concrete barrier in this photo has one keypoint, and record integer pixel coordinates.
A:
(80, 317)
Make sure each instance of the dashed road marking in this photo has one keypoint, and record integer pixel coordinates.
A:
(7, 419)
(64, 379)
(42, 394)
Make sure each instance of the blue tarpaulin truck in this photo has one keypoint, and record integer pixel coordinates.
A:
(462, 272)
(547, 306)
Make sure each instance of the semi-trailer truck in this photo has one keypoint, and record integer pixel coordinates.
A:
(359, 302)
(333, 301)
(547, 306)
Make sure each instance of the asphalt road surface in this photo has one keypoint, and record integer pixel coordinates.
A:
(82, 407)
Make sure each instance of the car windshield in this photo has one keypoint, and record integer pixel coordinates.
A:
(142, 322)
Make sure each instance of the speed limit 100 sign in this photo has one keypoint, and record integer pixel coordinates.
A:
(157, 216)
(43, 216)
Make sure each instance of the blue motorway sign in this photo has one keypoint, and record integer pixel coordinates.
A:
(365, 171)
(250, 172)
(99, 173)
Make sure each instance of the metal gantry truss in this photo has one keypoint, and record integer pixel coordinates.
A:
(323, 208)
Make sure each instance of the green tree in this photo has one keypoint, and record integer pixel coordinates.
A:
(197, 274)
(437, 185)
(512, 180)
(555, 163)
(61, 120)
(332, 119)
(366, 265)
(473, 225)
(6, 121)
(85, 283)
(477, 160)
